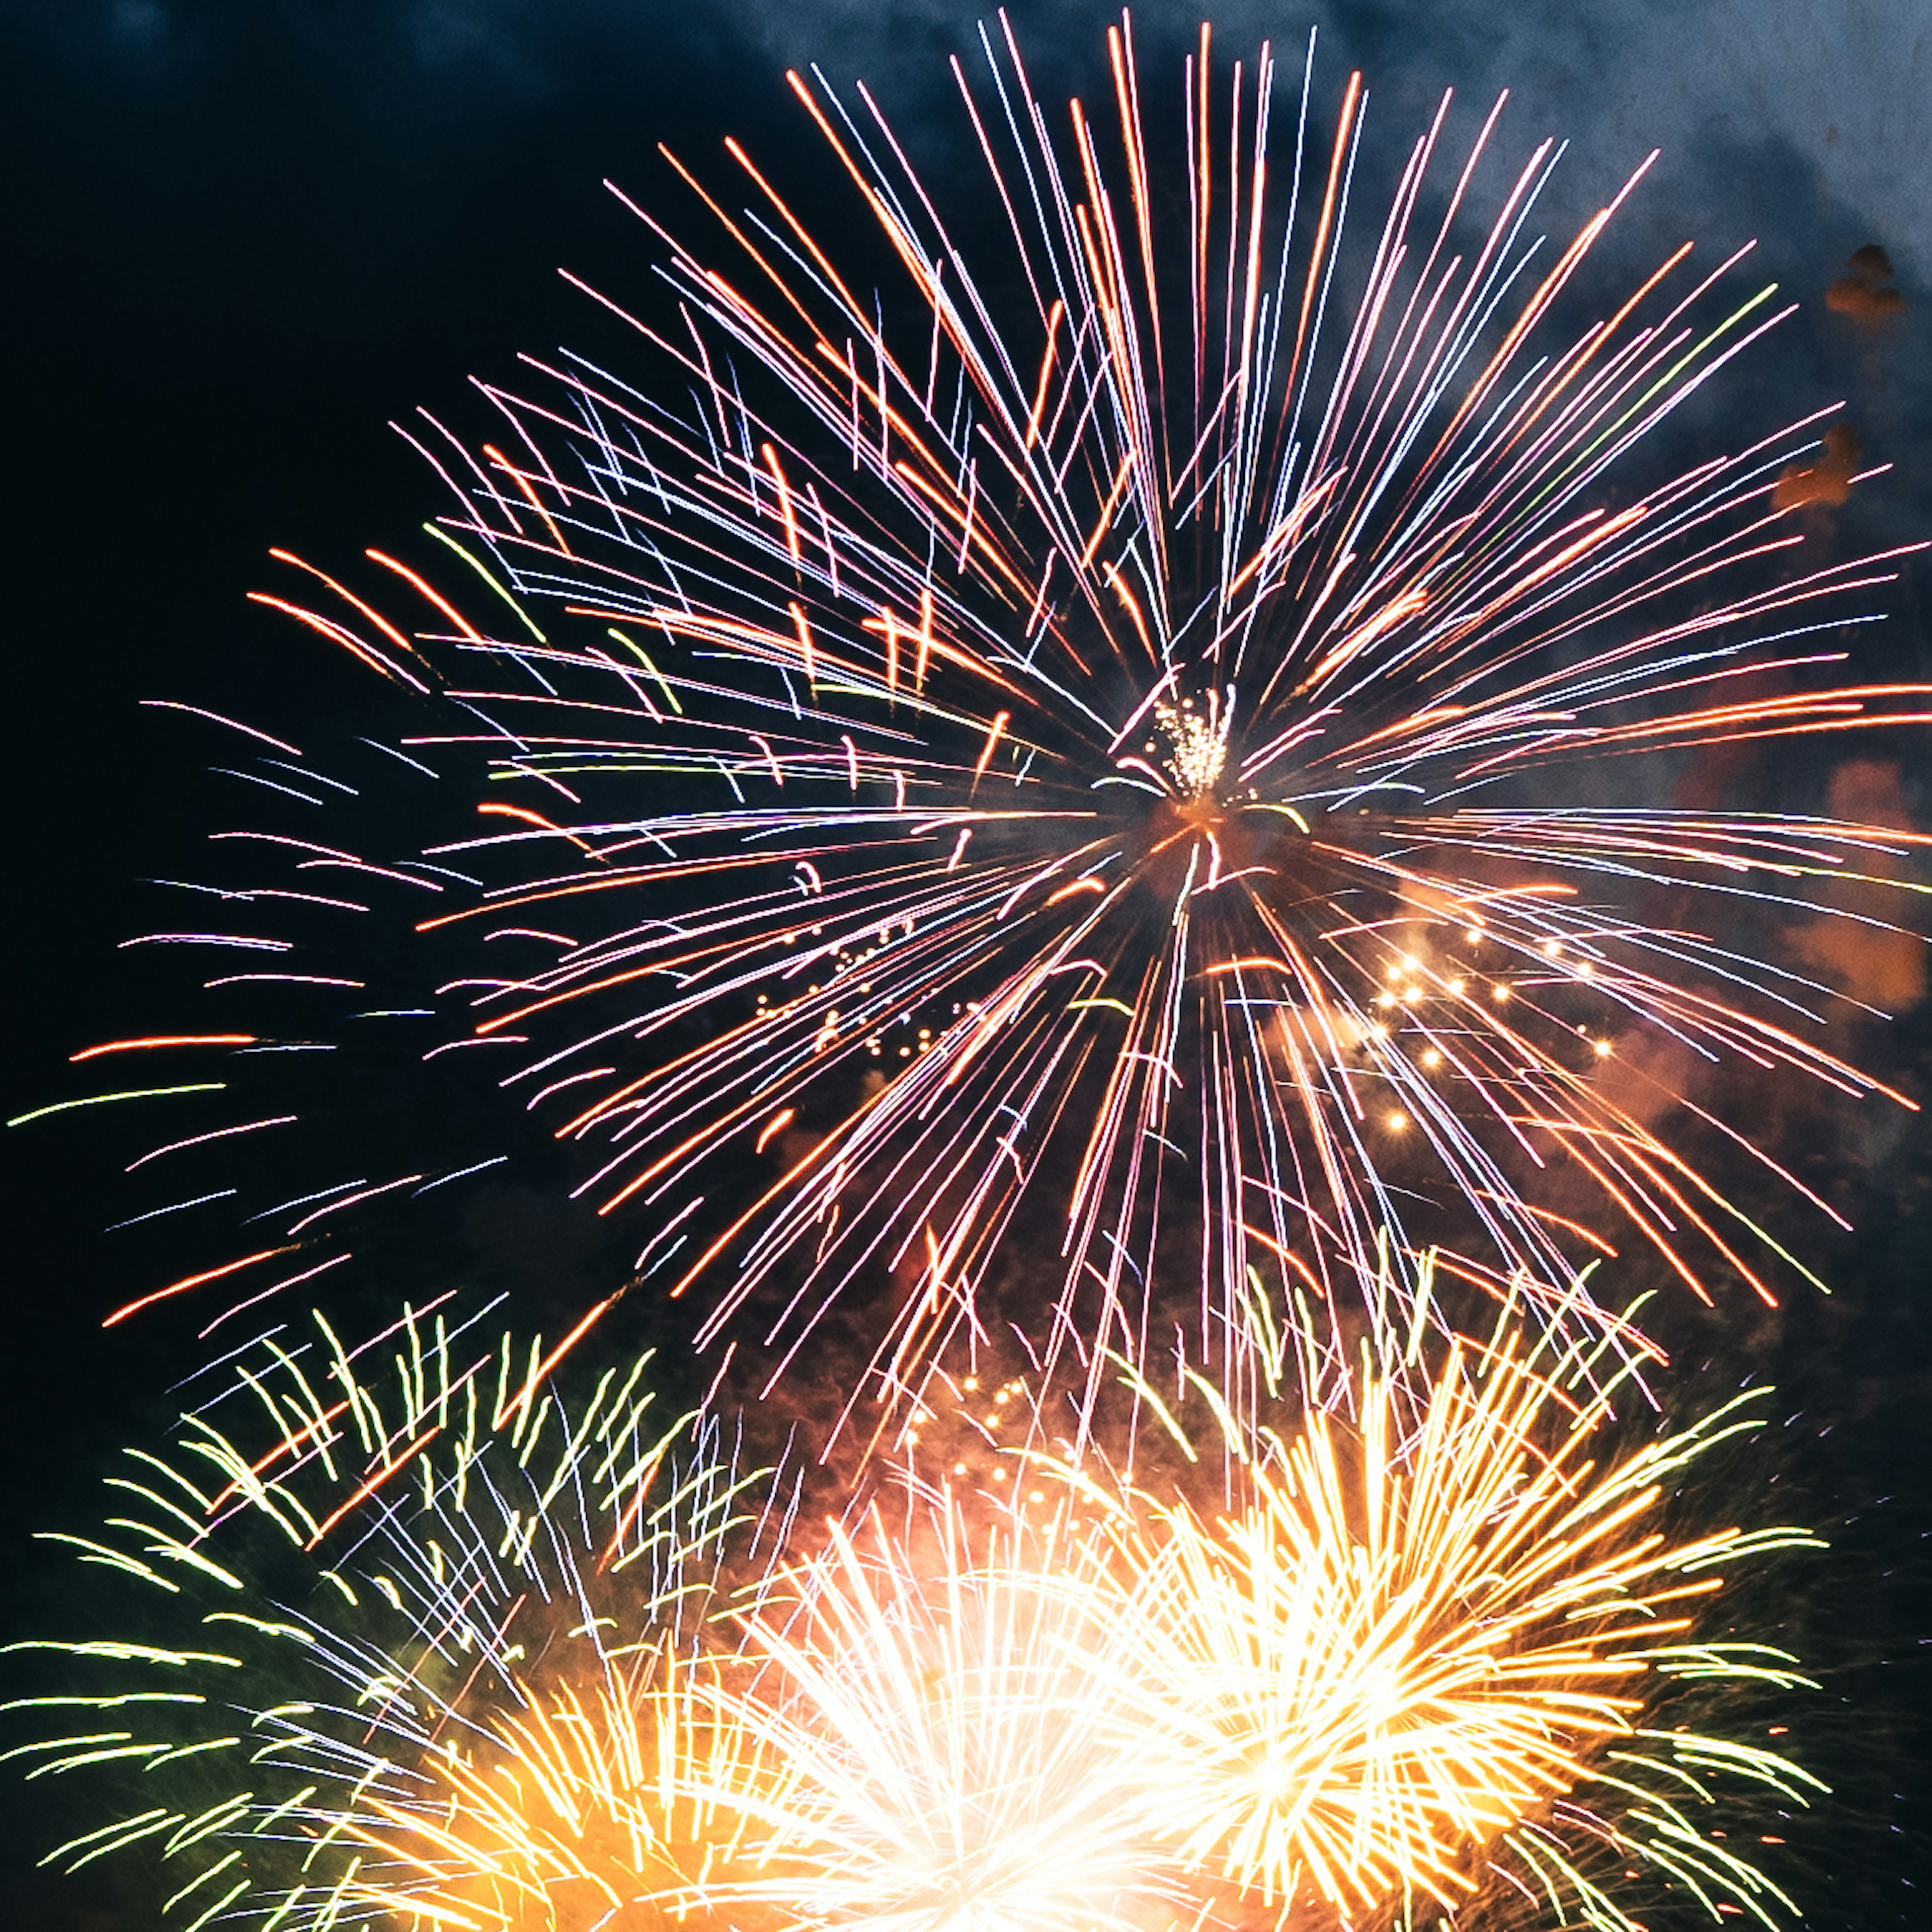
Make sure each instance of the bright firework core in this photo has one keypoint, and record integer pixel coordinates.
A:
(1196, 744)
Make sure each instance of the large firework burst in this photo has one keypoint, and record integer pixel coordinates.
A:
(1120, 723)
(1407, 1660)
(1079, 742)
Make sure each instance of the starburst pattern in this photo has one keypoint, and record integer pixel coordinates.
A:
(1091, 745)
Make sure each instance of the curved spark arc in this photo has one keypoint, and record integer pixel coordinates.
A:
(1158, 784)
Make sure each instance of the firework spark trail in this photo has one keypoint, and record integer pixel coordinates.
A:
(1165, 712)
(395, 1584)
(272, 1148)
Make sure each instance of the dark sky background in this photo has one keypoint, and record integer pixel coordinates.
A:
(239, 235)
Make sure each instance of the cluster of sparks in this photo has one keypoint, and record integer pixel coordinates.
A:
(1067, 770)
(535, 1660)
(1197, 748)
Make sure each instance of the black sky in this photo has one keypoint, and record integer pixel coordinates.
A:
(239, 235)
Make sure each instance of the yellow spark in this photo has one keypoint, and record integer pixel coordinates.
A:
(1393, 1645)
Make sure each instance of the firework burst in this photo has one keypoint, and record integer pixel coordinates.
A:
(1409, 1658)
(1091, 728)
(441, 1647)
(1105, 739)
(431, 1642)
(951, 1758)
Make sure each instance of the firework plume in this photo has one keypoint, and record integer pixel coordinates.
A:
(440, 1646)
(1456, 1651)
(950, 1755)
(1406, 1659)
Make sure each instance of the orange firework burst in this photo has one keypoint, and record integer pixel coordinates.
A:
(619, 1803)
(421, 1632)
(1414, 1650)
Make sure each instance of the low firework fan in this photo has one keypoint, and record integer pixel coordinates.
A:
(378, 1589)
(1453, 1651)
(444, 1647)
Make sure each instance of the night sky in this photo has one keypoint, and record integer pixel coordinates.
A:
(241, 234)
